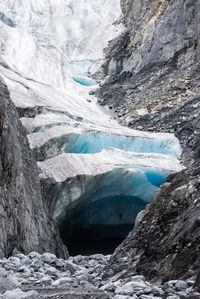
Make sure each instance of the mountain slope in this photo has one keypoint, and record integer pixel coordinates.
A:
(157, 87)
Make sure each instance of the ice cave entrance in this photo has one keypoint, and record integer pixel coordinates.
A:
(107, 208)
(84, 81)
(102, 207)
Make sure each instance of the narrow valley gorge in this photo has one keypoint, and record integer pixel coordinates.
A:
(100, 149)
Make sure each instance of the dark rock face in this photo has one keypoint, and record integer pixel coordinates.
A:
(157, 89)
(162, 41)
(24, 225)
(158, 32)
(165, 244)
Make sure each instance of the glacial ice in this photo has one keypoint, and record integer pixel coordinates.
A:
(98, 174)
(94, 142)
(52, 34)
(49, 140)
(98, 196)
(109, 173)
(84, 81)
(86, 66)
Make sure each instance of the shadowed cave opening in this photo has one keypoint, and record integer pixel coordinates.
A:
(99, 227)
(102, 219)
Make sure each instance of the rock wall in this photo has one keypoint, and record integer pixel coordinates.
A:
(146, 66)
(24, 225)
(157, 89)
(165, 243)
(159, 31)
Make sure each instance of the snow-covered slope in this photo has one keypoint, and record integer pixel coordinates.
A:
(48, 40)
(47, 50)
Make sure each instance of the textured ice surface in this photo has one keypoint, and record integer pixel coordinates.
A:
(86, 66)
(84, 81)
(98, 196)
(112, 172)
(51, 139)
(94, 142)
(52, 34)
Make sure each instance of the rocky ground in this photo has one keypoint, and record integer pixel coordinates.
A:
(35, 276)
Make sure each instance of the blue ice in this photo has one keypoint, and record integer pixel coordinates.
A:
(94, 142)
(156, 178)
(84, 82)
(110, 204)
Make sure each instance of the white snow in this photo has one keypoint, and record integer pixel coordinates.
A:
(67, 166)
(53, 38)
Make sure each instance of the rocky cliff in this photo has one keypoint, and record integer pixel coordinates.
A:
(158, 32)
(153, 84)
(24, 225)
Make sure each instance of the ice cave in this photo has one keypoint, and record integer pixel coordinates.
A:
(106, 209)
(98, 190)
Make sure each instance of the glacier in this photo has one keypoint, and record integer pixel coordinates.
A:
(129, 173)
(96, 174)
(98, 196)
(53, 35)
(62, 139)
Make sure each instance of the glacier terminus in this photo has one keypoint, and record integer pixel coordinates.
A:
(96, 174)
